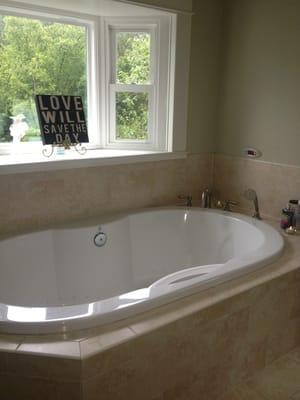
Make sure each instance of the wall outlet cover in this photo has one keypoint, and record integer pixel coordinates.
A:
(251, 152)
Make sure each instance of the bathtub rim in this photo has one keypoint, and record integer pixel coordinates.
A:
(65, 324)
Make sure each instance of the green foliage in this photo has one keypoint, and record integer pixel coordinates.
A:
(38, 58)
(132, 116)
(133, 63)
(5, 122)
(133, 67)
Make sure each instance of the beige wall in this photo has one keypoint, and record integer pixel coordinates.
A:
(260, 96)
(204, 75)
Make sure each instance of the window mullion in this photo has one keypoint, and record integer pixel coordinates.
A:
(131, 88)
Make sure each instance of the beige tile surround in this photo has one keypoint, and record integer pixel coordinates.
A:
(275, 184)
(278, 381)
(195, 348)
(37, 200)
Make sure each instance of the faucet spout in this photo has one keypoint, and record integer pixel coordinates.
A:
(251, 195)
(206, 199)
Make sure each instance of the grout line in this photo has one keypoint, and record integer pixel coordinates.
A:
(291, 397)
(257, 161)
(269, 365)
(22, 341)
(262, 395)
(254, 389)
(132, 330)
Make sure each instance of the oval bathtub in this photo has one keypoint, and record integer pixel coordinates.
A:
(57, 280)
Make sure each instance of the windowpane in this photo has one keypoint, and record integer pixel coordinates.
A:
(37, 57)
(132, 115)
(133, 57)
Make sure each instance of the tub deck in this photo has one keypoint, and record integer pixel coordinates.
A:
(247, 322)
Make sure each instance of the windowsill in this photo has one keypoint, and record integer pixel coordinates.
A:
(12, 164)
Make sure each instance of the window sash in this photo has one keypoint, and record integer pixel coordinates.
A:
(113, 87)
(91, 26)
(131, 143)
(114, 51)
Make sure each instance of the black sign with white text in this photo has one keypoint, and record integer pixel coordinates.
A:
(61, 119)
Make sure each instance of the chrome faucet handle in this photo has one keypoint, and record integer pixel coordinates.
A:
(228, 204)
(188, 200)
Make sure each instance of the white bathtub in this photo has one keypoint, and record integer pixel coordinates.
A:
(57, 280)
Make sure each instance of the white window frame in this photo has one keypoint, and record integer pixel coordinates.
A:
(150, 88)
(100, 87)
(160, 99)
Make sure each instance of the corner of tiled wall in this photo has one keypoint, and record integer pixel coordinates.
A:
(275, 184)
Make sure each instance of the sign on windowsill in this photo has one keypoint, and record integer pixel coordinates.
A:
(62, 120)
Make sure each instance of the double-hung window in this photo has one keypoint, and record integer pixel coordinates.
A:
(132, 90)
(138, 82)
(122, 67)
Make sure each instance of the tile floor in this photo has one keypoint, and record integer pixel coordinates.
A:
(278, 381)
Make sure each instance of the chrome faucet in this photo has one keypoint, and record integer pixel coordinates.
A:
(188, 200)
(227, 205)
(251, 195)
(206, 199)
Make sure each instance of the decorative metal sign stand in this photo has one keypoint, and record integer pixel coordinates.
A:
(49, 150)
(62, 123)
